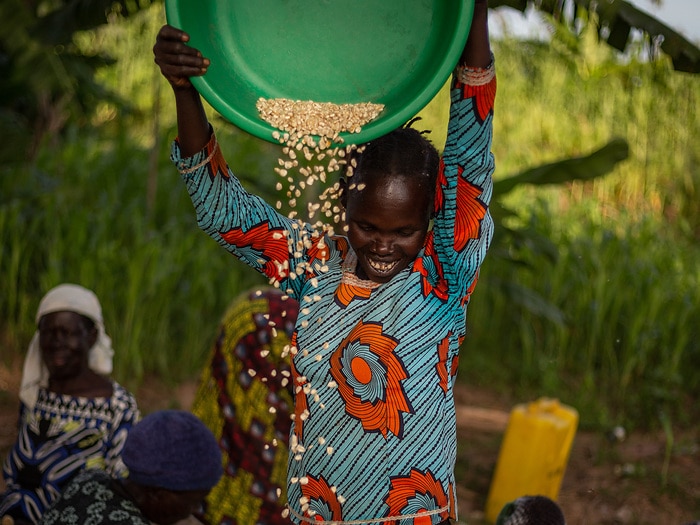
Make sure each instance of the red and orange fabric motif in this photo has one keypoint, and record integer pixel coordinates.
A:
(439, 288)
(261, 239)
(416, 493)
(301, 405)
(218, 165)
(472, 212)
(441, 366)
(369, 376)
(346, 293)
(484, 96)
(323, 503)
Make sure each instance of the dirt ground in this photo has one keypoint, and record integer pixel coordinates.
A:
(606, 481)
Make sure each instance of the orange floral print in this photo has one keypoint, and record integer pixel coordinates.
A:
(484, 96)
(472, 212)
(455, 366)
(346, 293)
(415, 493)
(217, 165)
(441, 365)
(369, 377)
(318, 253)
(439, 289)
(439, 189)
(301, 404)
(323, 500)
(271, 249)
(465, 299)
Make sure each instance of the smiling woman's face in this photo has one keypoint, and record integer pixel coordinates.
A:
(387, 223)
(65, 340)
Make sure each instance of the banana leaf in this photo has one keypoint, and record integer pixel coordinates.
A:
(588, 167)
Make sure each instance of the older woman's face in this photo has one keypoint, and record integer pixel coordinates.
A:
(65, 341)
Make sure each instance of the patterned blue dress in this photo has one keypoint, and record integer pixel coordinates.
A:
(373, 365)
(61, 436)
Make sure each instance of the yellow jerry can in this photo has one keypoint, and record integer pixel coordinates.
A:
(533, 454)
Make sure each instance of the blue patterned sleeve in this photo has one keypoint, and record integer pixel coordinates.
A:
(284, 250)
(463, 227)
(127, 415)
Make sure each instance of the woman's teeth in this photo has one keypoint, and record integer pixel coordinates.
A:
(381, 267)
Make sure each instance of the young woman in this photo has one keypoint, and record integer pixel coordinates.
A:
(382, 310)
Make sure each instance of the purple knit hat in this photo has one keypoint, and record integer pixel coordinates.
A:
(174, 450)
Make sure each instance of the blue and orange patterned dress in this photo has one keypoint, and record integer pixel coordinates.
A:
(374, 436)
(61, 436)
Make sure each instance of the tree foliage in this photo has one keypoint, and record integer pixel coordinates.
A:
(48, 80)
(615, 21)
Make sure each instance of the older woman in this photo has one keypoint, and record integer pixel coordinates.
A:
(72, 414)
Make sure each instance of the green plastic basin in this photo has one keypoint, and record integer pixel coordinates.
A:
(394, 52)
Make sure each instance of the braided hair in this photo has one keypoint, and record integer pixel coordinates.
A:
(404, 152)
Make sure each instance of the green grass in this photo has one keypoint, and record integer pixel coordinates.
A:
(627, 346)
(626, 280)
(83, 217)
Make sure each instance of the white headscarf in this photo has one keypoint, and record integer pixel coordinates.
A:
(65, 298)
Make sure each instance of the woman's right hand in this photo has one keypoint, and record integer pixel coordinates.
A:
(177, 60)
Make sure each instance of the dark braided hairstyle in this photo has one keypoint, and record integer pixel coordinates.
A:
(404, 152)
